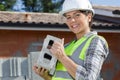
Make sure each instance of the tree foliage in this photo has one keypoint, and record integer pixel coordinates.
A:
(6, 5)
(49, 6)
(42, 5)
(30, 5)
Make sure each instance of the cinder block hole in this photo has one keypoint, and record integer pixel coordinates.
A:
(47, 56)
(50, 44)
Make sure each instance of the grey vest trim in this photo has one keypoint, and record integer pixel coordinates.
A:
(76, 54)
(63, 74)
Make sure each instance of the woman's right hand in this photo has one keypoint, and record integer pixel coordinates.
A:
(42, 72)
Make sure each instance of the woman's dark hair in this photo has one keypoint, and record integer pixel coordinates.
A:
(86, 12)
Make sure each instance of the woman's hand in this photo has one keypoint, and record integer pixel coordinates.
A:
(57, 50)
(42, 72)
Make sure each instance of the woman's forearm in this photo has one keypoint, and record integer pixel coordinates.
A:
(69, 65)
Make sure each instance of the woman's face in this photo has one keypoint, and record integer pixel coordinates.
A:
(77, 21)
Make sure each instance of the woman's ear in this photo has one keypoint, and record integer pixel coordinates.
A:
(90, 17)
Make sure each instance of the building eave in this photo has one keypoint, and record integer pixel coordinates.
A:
(54, 27)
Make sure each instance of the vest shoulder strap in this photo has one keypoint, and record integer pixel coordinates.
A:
(83, 51)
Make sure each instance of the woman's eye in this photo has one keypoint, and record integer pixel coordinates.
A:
(68, 18)
(77, 15)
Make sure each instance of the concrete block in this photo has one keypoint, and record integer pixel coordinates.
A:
(46, 59)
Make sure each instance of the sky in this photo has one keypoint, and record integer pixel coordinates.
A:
(19, 5)
(106, 2)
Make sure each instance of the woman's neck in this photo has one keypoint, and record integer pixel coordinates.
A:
(81, 34)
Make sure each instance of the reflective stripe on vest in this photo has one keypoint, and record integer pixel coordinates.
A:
(78, 55)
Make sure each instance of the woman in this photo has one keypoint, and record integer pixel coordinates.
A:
(82, 58)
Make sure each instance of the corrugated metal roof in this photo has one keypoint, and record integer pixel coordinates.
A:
(36, 21)
(31, 17)
(52, 18)
(27, 17)
(110, 8)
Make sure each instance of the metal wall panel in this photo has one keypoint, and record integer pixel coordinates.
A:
(13, 78)
(14, 66)
(4, 67)
(32, 59)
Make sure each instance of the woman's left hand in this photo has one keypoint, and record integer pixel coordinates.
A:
(57, 49)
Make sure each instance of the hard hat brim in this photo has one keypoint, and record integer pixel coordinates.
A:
(63, 12)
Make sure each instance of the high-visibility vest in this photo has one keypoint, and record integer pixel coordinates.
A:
(77, 52)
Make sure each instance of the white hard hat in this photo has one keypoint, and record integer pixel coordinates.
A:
(70, 5)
